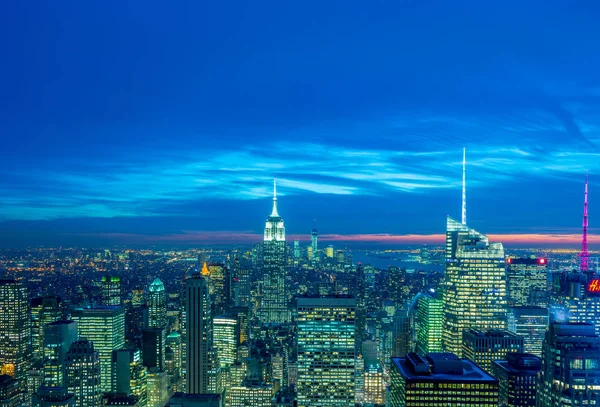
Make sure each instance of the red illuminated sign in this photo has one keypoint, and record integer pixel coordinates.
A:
(509, 260)
(594, 286)
(542, 261)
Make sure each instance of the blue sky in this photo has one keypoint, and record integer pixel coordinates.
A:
(123, 119)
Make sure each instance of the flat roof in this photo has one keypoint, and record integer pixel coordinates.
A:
(471, 373)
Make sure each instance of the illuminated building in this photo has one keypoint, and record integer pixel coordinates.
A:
(153, 348)
(83, 374)
(309, 253)
(250, 394)
(157, 305)
(225, 338)
(527, 281)
(329, 252)
(219, 286)
(119, 400)
(580, 294)
(313, 244)
(129, 375)
(570, 373)
(44, 310)
(326, 351)
(111, 290)
(483, 347)
(58, 337)
(173, 364)
(105, 327)
(440, 379)
(199, 335)
(517, 377)
(530, 323)
(274, 308)
(429, 324)
(10, 392)
(15, 330)
(52, 397)
(137, 297)
(297, 252)
(474, 287)
(339, 255)
(374, 385)
(157, 393)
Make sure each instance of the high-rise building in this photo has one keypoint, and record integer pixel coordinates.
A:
(198, 335)
(440, 379)
(579, 293)
(527, 281)
(274, 307)
(530, 323)
(129, 376)
(153, 348)
(10, 392)
(105, 327)
(225, 338)
(195, 400)
(570, 366)
(313, 243)
(297, 251)
(474, 287)
(58, 337)
(429, 324)
(517, 377)
(173, 363)
(326, 351)
(15, 331)
(329, 252)
(157, 305)
(83, 374)
(44, 310)
(250, 394)
(374, 383)
(111, 290)
(158, 383)
(219, 283)
(483, 347)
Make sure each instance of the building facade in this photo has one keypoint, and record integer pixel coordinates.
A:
(483, 347)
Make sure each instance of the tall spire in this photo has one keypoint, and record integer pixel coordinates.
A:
(274, 212)
(584, 242)
(464, 188)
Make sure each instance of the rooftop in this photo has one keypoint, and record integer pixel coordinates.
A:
(440, 367)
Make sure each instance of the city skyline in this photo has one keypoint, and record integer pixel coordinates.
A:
(146, 142)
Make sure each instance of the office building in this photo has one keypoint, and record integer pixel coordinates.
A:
(83, 374)
(570, 370)
(153, 348)
(198, 335)
(129, 375)
(10, 392)
(527, 281)
(225, 338)
(219, 283)
(58, 337)
(374, 383)
(15, 330)
(105, 327)
(474, 286)
(173, 360)
(313, 244)
(329, 252)
(44, 310)
(111, 290)
(52, 397)
(157, 305)
(250, 394)
(297, 251)
(530, 323)
(326, 351)
(158, 383)
(483, 347)
(440, 379)
(428, 324)
(517, 377)
(274, 306)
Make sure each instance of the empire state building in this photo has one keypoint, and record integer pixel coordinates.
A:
(274, 308)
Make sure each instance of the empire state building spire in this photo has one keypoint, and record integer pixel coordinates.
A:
(274, 212)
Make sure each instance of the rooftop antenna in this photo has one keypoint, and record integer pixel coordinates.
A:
(464, 187)
(274, 212)
(584, 243)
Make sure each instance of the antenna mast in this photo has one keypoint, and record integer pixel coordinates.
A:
(584, 243)
(464, 188)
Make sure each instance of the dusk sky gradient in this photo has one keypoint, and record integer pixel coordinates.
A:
(134, 122)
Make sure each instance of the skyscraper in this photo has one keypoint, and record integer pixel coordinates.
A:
(274, 308)
(198, 335)
(570, 366)
(83, 374)
(517, 377)
(530, 323)
(440, 379)
(44, 310)
(157, 305)
(326, 351)
(129, 376)
(483, 347)
(58, 337)
(313, 243)
(225, 334)
(105, 327)
(111, 290)
(527, 281)
(474, 284)
(153, 348)
(429, 324)
(15, 330)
